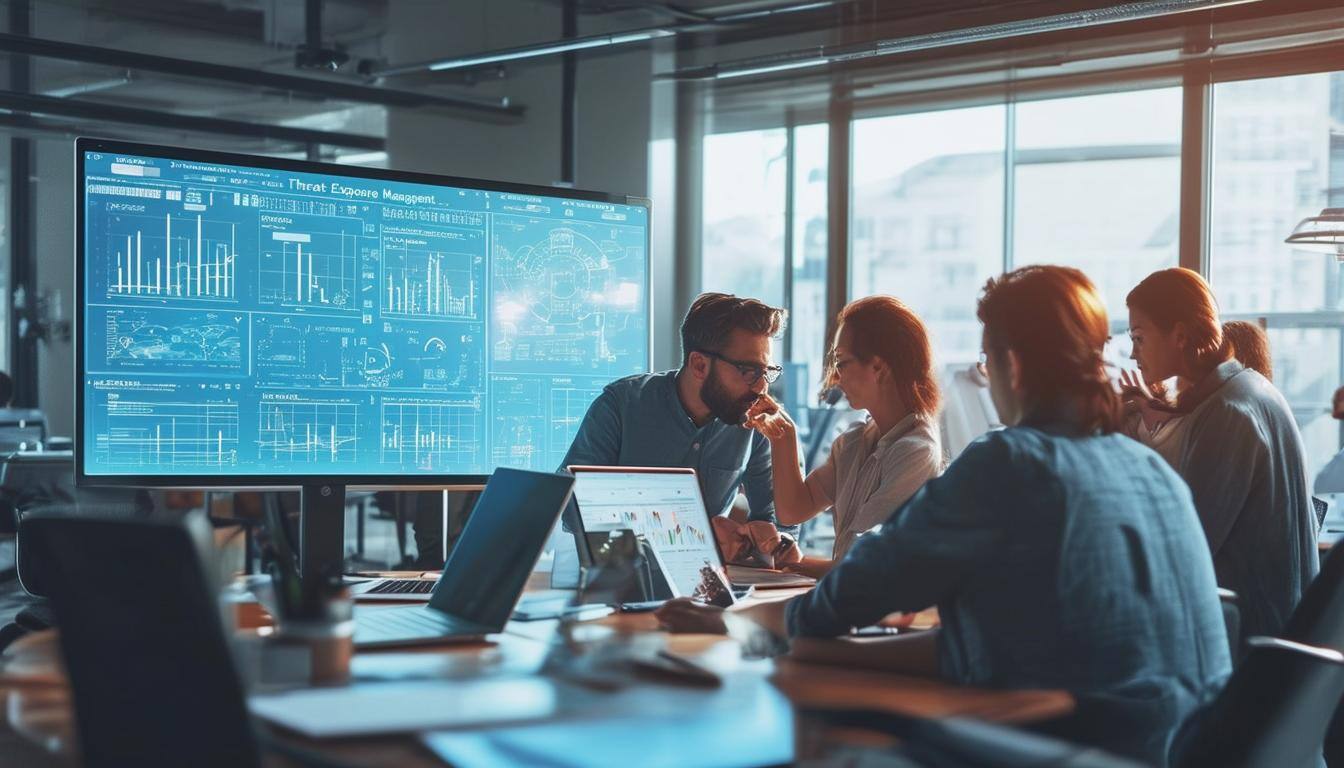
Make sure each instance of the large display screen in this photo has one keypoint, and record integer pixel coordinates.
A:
(266, 321)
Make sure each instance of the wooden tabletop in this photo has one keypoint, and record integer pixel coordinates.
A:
(39, 704)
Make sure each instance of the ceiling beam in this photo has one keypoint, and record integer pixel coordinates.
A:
(294, 84)
(32, 104)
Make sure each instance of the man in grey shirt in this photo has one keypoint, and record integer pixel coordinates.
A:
(693, 416)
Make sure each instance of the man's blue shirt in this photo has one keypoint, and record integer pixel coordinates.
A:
(639, 421)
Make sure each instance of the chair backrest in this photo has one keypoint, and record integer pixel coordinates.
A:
(1318, 618)
(1231, 606)
(1273, 712)
(22, 429)
(142, 639)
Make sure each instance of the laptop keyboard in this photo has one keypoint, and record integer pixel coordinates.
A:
(403, 587)
(387, 625)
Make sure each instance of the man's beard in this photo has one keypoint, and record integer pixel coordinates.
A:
(724, 406)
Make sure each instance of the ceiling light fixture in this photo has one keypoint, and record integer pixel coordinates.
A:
(1323, 232)
(605, 40)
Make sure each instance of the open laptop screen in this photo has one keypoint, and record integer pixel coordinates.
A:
(662, 505)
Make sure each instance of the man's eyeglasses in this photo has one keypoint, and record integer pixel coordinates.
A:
(750, 372)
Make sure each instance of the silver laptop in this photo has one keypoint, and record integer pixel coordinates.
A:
(664, 505)
(486, 571)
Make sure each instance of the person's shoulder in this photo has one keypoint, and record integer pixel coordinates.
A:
(996, 449)
(853, 434)
(921, 442)
(642, 383)
(1247, 399)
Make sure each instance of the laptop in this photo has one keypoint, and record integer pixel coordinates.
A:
(664, 505)
(394, 589)
(486, 571)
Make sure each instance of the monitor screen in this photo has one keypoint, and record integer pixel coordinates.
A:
(247, 320)
(665, 507)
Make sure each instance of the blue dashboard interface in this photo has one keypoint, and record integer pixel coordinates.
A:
(244, 320)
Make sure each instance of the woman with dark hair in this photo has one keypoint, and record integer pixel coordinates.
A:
(1059, 553)
(1250, 345)
(881, 359)
(1235, 444)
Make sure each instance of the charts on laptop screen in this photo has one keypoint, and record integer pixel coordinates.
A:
(664, 507)
(256, 318)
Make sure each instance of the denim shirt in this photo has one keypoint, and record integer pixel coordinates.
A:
(1056, 561)
(639, 421)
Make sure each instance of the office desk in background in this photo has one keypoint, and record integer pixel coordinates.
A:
(38, 702)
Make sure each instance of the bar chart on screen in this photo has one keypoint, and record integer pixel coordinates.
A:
(430, 434)
(310, 262)
(433, 275)
(188, 258)
(175, 432)
(308, 432)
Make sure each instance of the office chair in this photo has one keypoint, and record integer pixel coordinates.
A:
(1319, 620)
(22, 429)
(1273, 713)
(152, 677)
(1231, 605)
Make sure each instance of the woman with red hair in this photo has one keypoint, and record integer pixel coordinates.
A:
(1060, 554)
(881, 359)
(1235, 444)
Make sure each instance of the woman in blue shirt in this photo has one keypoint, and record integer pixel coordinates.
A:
(1059, 553)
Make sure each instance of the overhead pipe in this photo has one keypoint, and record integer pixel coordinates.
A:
(312, 86)
(33, 104)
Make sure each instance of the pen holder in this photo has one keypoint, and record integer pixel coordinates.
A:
(320, 646)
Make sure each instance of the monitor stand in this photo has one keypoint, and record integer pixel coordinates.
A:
(321, 532)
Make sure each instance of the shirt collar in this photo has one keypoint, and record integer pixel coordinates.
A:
(1211, 382)
(670, 393)
(902, 428)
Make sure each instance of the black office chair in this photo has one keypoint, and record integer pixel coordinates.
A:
(1231, 605)
(1319, 620)
(142, 640)
(1273, 713)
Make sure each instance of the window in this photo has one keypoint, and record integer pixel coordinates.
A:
(745, 251)
(1097, 189)
(807, 305)
(937, 179)
(742, 247)
(1274, 163)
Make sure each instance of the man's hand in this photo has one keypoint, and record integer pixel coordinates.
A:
(756, 540)
(780, 550)
(734, 543)
(685, 615)
(768, 417)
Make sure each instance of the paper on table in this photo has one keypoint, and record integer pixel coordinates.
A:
(689, 741)
(362, 710)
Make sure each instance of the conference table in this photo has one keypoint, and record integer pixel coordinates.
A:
(38, 709)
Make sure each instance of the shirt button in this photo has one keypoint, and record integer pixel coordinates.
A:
(695, 446)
